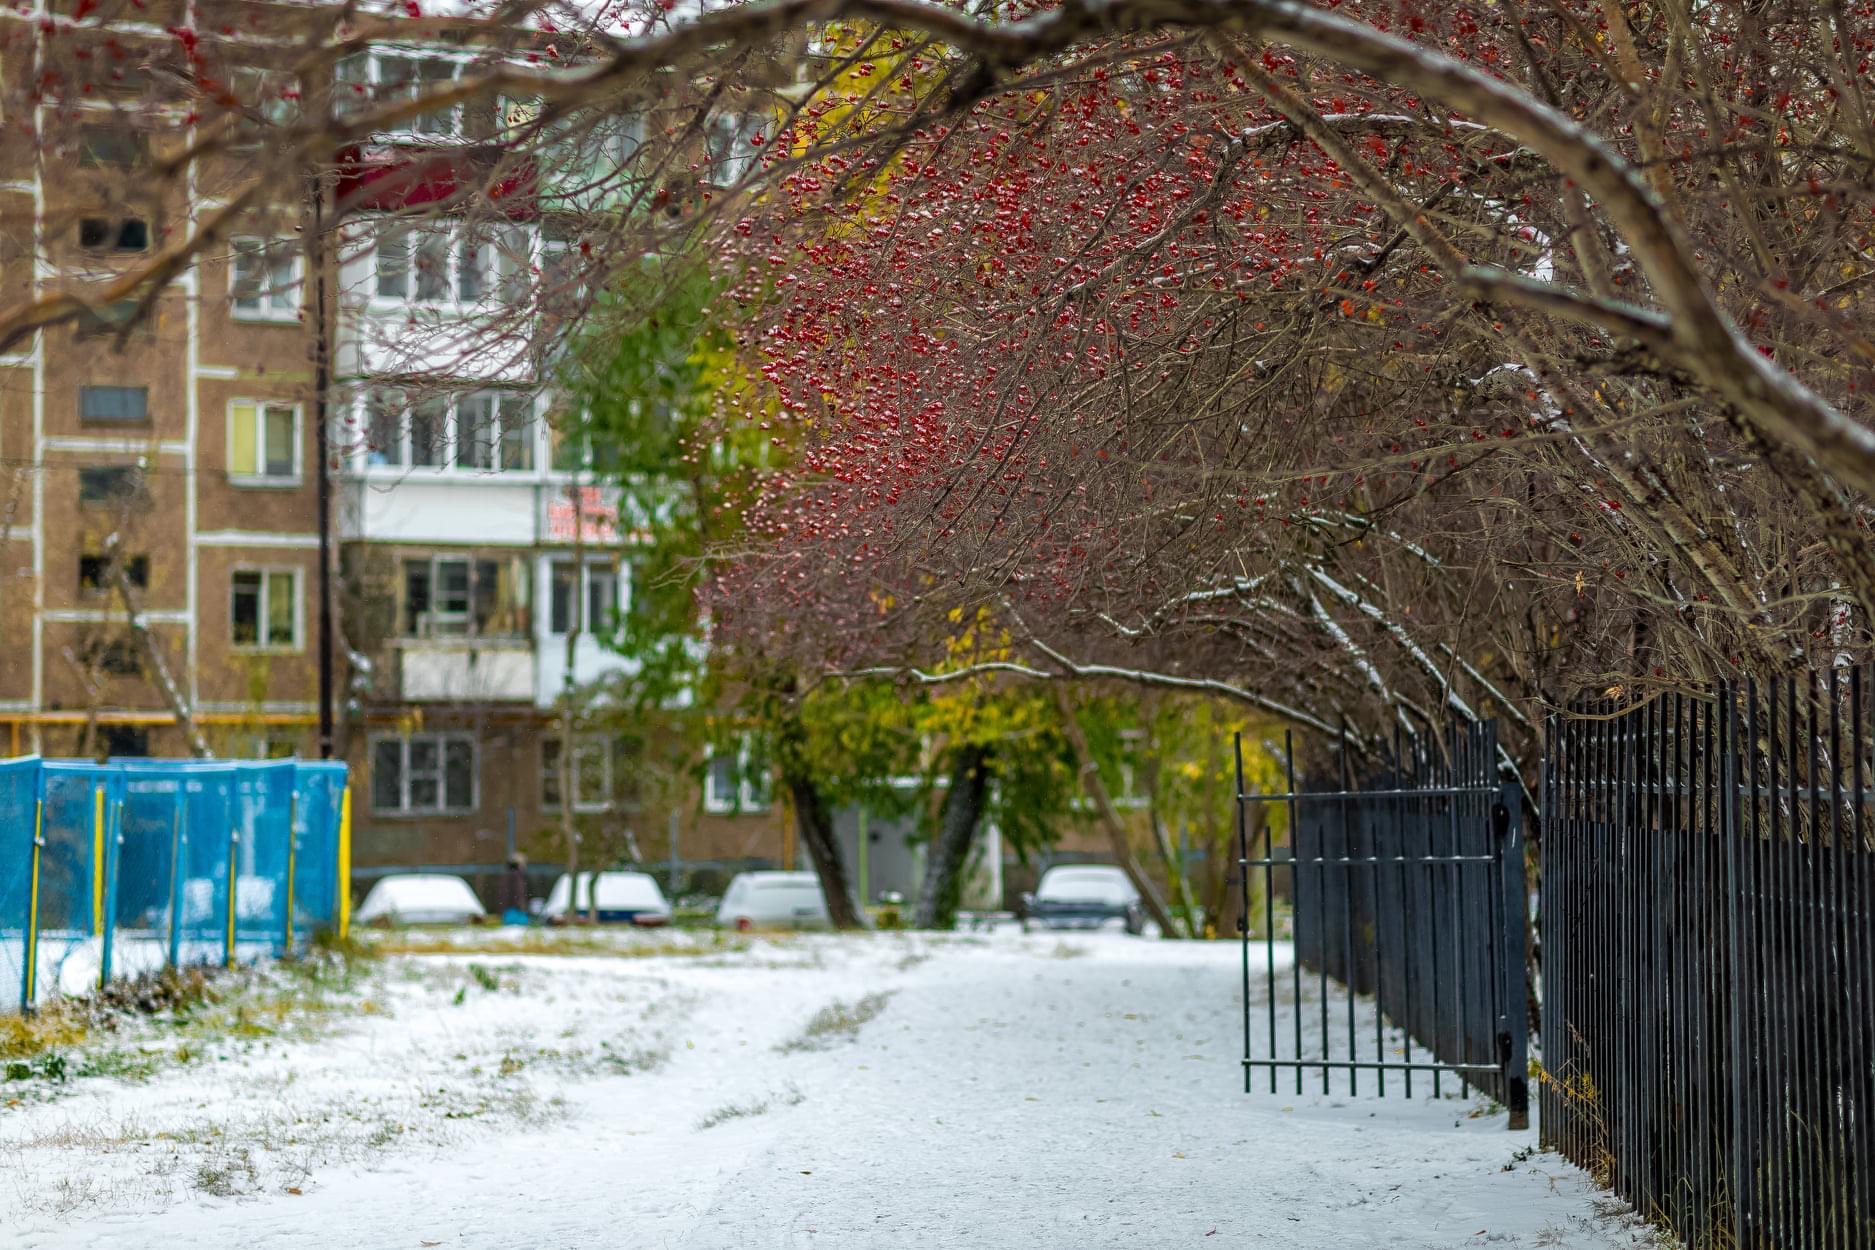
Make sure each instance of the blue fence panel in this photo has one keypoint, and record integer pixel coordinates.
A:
(145, 886)
(70, 932)
(210, 828)
(19, 797)
(264, 800)
(319, 790)
(141, 863)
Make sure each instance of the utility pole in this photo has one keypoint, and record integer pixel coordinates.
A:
(322, 450)
(676, 816)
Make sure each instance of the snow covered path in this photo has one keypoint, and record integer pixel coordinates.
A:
(1033, 1092)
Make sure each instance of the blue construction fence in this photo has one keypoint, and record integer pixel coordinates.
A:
(123, 868)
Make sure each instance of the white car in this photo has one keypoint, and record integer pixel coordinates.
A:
(762, 900)
(624, 898)
(420, 898)
(1083, 896)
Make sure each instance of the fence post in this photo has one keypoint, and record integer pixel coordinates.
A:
(292, 859)
(113, 862)
(1513, 1027)
(178, 847)
(1729, 826)
(345, 864)
(29, 976)
(234, 875)
(97, 860)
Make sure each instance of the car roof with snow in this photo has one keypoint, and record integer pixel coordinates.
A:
(419, 893)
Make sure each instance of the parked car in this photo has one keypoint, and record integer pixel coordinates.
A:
(420, 898)
(764, 900)
(624, 898)
(1083, 896)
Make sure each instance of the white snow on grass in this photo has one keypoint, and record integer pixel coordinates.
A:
(670, 1090)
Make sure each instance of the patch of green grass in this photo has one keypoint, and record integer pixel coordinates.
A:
(835, 1023)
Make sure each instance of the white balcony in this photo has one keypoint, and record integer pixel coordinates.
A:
(467, 671)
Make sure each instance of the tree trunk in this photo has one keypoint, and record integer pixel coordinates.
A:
(1109, 817)
(814, 827)
(950, 849)
(569, 823)
(153, 654)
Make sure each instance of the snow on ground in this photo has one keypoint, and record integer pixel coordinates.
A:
(890, 1090)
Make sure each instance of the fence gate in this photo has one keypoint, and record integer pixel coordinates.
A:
(1408, 918)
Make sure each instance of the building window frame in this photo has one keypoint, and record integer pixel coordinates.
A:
(271, 302)
(92, 402)
(92, 568)
(751, 785)
(494, 587)
(497, 442)
(590, 751)
(258, 412)
(451, 265)
(415, 779)
(264, 640)
(113, 486)
(595, 601)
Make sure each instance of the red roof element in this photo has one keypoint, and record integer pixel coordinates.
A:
(391, 178)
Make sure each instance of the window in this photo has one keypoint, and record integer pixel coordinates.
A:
(494, 431)
(598, 595)
(119, 657)
(736, 781)
(457, 596)
(265, 608)
(423, 774)
(452, 263)
(480, 431)
(730, 147)
(595, 763)
(263, 442)
(108, 234)
(94, 573)
(266, 100)
(116, 485)
(111, 147)
(380, 76)
(112, 319)
(121, 741)
(409, 77)
(562, 271)
(114, 405)
(263, 279)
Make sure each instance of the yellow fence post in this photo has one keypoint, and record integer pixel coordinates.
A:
(234, 875)
(29, 988)
(97, 862)
(345, 864)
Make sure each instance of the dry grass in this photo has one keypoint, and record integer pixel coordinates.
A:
(835, 1023)
(563, 943)
(789, 1097)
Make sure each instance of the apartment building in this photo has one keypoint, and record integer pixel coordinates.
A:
(173, 446)
(161, 545)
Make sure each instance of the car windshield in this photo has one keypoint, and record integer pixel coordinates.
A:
(1093, 885)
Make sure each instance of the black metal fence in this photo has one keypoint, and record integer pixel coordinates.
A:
(1409, 893)
(1708, 920)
